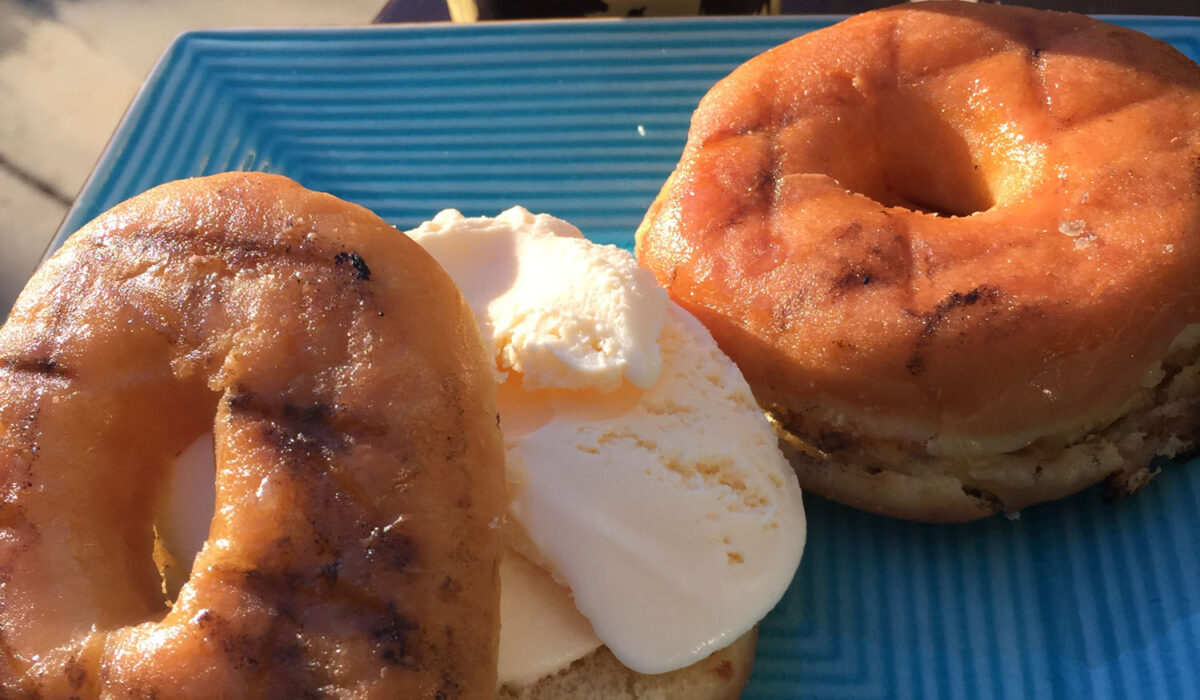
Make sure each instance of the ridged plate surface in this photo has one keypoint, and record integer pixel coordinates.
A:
(585, 120)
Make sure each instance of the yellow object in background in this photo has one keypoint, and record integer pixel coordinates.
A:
(475, 10)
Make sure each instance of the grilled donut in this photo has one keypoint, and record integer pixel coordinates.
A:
(359, 463)
(953, 247)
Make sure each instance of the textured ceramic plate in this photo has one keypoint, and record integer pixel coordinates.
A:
(584, 120)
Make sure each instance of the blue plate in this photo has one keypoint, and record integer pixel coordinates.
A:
(585, 120)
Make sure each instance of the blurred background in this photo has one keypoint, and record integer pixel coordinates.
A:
(69, 68)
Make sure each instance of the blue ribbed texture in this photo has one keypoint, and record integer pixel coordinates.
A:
(1076, 599)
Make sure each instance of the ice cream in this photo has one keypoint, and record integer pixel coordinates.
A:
(642, 474)
(554, 308)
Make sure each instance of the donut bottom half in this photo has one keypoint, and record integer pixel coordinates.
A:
(600, 676)
(903, 480)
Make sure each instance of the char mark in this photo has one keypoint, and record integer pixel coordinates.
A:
(362, 272)
(853, 278)
(76, 672)
(762, 197)
(784, 315)
(830, 441)
(985, 498)
(393, 549)
(299, 429)
(241, 253)
(933, 321)
(450, 587)
(37, 366)
(397, 639)
(450, 689)
(879, 256)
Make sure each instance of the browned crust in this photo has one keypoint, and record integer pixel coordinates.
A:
(904, 481)
(789, 230)
(599, 676)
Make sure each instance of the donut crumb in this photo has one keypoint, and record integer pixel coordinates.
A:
(1122, 483)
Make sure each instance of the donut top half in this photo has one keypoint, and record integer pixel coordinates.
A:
(943, 220)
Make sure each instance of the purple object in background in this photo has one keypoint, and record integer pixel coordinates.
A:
(436, 10)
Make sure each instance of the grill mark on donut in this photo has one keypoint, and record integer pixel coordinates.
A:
(302, 428)
(280, 649)
(1111, 111)
(396, 549)
(308, 436)
(892, 51)
(292, 440)
(752, 204)
(397, 639)
(1034, 38)
(393, 635)
(776, 122)
(243, 253)
(985, 498)
(1037, 64)
(245, 651)
(385, 547)
(853, 278)
(773, 179)
(788, 309)
(886, 261)
(720, 138)
(44, 367)
(362, 272)
(76, 672)
(933, 320)
(308, 451)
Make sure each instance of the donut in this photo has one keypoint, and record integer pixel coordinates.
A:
(355, 545)
(953, 247)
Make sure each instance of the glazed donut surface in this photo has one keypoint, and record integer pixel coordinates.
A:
(959, 228)
(359, 463)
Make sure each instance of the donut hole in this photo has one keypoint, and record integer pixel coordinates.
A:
(906, 151)
(185, 514)
(934, 173)
(928, 163)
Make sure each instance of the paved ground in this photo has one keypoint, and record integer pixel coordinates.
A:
(68, 69)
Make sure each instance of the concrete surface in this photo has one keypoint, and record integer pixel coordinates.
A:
(68, 69)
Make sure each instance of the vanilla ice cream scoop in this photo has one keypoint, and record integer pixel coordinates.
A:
(640, 467)
(554, 307)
